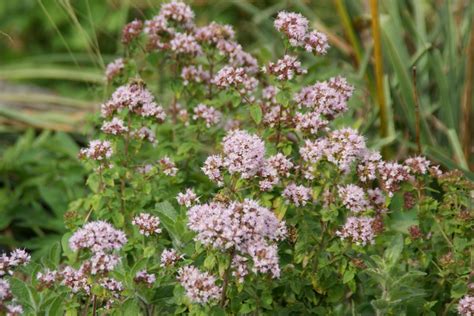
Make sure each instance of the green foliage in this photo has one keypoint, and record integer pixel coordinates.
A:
(39, 176)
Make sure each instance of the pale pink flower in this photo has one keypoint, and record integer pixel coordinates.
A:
(114, 127)
(169, 257)
(285, 68)
(114, 68)
(358, 230)
(210, 115)
(353, 197)
(466, 306)
(297, 194)
(97, 236)
(293, 25)
(143, 276)
(147, 224)
(200, 286)
(187, 198)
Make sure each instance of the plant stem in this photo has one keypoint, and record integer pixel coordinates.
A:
(417, 111)
(466, 105)
(94, 306)
(226, 278)
(374, 10)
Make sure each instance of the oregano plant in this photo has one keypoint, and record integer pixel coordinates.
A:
(225, 184)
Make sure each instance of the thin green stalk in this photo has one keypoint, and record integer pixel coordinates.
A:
(417, 112)
(374, 10)
(349, 30)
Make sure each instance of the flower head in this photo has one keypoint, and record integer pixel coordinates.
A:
(187, 198)
(147, 224)
(114, 68)
(200, 286)
(285, 68)
(169, 257)
(297, 194)
(97, 236)
(353, 197)
(97, 150)
(358, 230)
(243, 153)
(293, 25)
(466, 306)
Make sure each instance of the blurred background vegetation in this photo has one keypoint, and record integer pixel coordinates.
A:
(410, 60)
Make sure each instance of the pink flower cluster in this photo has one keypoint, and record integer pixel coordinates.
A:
(144, 277)
(246, 227)
(328, 98)
(47, 278)
(147, 224)
(168, 167)
(169, 257)
(114, 68)
(131, 31)
(273, 169)
(98, 236)
(358, 230)
(185, 44)
(208, 114)
(466, 306)
(243, 153)
(112, 286)
(200, 286)
(214, 33)
(295, 27)
(237, 78)
(341, 147)
(353, 197)
(187, 198)
(285, 68)
(17, 257)
(137, 99)
(298, 194)
(194, 74)
(76, 280)
(97, 150)
(8, 306)
(310, 122)
(114, 127)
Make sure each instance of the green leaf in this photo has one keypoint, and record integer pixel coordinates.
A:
(393, 252)
(256, 113)
(348, 276)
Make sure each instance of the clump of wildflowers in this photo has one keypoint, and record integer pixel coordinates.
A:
(208, 114)
(286, 68)
(115, 127)
(466, 306)
(168, 167)
(114, 68)
(147, 224)
(131, 31)
(169, 257)
(200, 286)
(353, 197)
(247, 227)
(187, 198)
(359, 230)
(97, 236)
(297, 194)
(97, 150)
(144, 277)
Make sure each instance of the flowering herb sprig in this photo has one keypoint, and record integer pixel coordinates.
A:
(232, 186)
